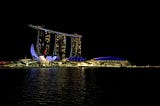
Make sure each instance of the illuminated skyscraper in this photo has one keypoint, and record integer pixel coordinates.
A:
(44, 41)
(75, 47)
(60, 46)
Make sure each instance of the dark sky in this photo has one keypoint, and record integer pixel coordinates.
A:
(128, 31)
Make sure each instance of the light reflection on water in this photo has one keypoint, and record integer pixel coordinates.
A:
(79, 87)
(57, 86)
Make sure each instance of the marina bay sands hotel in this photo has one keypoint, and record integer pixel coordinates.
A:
(46, 38)
(52, 48)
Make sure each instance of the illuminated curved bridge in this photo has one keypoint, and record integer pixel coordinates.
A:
(46, 38)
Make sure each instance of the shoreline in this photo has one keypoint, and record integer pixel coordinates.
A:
(28, 67)
(26, 64)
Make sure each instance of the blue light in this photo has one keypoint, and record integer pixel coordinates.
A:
(76, 59)
(108, 58)
(50, 58)
(33, 53)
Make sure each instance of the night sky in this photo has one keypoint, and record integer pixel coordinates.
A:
(127, 31)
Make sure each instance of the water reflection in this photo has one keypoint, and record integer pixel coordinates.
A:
(58, 86)
(79, 87)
